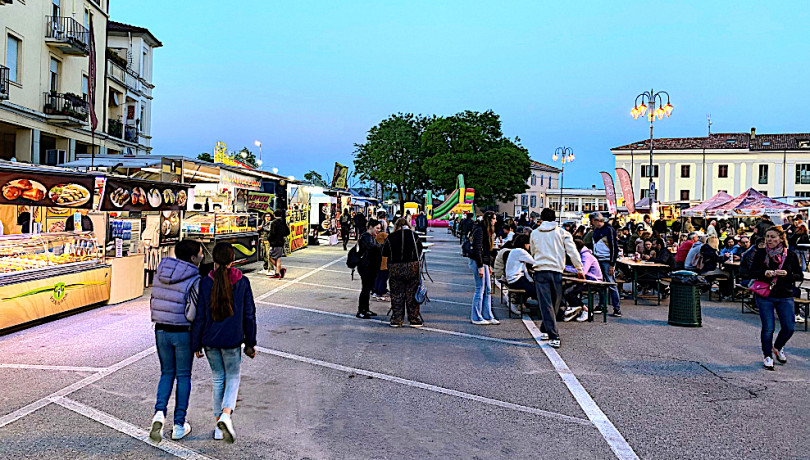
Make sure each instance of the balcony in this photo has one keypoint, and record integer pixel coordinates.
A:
(67, 35)
(131, 134)
(3, 82)
(66, 109)
(115, 128)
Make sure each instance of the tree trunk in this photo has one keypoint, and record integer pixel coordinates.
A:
(401, 198)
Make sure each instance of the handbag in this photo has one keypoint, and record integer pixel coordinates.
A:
(762, 288)
(421, 295)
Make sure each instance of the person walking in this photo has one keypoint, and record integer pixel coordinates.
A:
(264, 238)
(370, 259)
(777, 267)
(481, 266)
(403, 248)
(421, 222)
(173, 305)
(360, 224)
(226, 318)
(278, 231)
(466, 226)
(345, 227)
(763, 225)
(549, 246)
(606, 251)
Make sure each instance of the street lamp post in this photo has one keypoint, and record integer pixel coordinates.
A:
(259, 145)
(564, 154)
(652, 98)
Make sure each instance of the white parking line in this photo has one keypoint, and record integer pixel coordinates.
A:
(298, 279)
(426, 386)
(429, 329)
(40, 403)
(43, 367)
(615, 440)
(128, 429)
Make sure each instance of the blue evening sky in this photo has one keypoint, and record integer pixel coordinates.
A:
(309, 78)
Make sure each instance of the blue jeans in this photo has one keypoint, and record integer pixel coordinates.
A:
(381, 283)
(604, 265)
(225, 363)
(482, 300)
(176, 358)
(784, 308)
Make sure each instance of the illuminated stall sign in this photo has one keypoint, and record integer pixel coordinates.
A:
(229, 179)
(298, 221)
(36, 187)
(260, 201)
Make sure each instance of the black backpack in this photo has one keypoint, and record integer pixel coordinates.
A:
(353, 258)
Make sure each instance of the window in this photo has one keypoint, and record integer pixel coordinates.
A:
(85, 86)
(763, 174)
(764, 192)
(87, 19)
(603, 205)
(722, 170)
(534, 201)
(55, 9)
(571, 204)
(534, 179)
(803, 173)
(803, 194)
(645, 192)
(684, 195)
(541, 180)
(645, 170)
(54, 75)
(13, 53)
(524, 200)
(685, 170)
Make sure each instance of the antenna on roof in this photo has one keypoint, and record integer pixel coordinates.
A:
(709, 121)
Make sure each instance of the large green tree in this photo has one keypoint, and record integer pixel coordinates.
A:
(393, 155)
(473, 144)
(249, 157)
(316, 178)
(205, 156)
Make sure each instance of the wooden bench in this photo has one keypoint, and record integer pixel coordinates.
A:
(716, 281)
(747, 301)
(521, 295)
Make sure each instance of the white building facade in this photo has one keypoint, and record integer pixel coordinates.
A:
(576, 202)
(533, 200)
(695, 168)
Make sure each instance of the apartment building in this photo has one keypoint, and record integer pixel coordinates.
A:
(533, 199)
(576, 202)
(695, 168)
(45, 82)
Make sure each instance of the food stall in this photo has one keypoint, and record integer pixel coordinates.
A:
(239, 229)
(45, 274)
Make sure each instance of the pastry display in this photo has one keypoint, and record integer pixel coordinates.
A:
(155, 198)
(182, 198)
(23, 190)
(138, 196)
(44, 251)
(69, 194)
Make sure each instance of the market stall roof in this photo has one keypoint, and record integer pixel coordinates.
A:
(751, 204)
(700, 210)
(643, 204)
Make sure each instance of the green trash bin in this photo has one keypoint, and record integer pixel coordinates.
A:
(684, 305)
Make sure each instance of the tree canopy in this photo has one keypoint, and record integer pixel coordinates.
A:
(205, 156)
(316, 178)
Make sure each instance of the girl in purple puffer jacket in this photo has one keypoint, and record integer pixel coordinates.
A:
(576, 308)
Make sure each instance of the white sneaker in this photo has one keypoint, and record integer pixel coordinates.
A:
(768, 363)
(554, 343)
(483, 322)
(494, 322)
(571, 313)
(226, 425)
(799, 318)
(180, 432)
(780, 355)
(156, 434)
(543, 336)
(263, 271)
(217, 434)
(582, 316)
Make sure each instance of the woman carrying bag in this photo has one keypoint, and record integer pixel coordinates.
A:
(226, 318)
(775, 269)
(403, 249)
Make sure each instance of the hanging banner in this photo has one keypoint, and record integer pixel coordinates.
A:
(340, 177)
(123, 194)
(37, 187)
(298, 221)
(627, 189)
(610, 192)
(260, 201)
(230, 179)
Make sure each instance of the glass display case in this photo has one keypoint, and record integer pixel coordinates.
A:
(220, 223)
(43, 252)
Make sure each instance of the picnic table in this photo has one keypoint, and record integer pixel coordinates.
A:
(600, 285)
(644, 271)
(425, 250)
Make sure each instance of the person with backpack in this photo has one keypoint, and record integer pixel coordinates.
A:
(226, 318)
(480, 264)
(370, 253)
(173, 306)
(278, 231)
(360, 224)
(466, 227)
(403, 249)
(421, 222)
(345, 227)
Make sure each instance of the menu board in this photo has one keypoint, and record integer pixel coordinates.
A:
(260, 201)
(121, 194)
(169, 227)
(43, 188)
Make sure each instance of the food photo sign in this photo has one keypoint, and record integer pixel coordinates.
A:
(60, 191)
(136, 195)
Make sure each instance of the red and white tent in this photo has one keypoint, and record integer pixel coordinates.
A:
(700, 210)
(751, 204)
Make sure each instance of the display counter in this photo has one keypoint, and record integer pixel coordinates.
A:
(50, 273)
(239, 229)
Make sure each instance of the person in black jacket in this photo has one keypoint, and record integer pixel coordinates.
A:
(778, 266)
(278, 231)
(480, 264)
(360, 223)
(466, 227)
(403, 249)
(763, 225)
(747, 260)
(370, 260)
(421, 222)
(711, 266)
(345, 227)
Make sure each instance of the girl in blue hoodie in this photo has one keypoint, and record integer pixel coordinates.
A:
(173, 304)
(226, 318)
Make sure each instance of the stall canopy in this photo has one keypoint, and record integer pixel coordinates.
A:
(751, 204)
(700, 210)
(643, 205)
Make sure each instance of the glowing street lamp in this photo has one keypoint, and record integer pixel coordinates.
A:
(663, 110)
(258, 144)
(564, 154)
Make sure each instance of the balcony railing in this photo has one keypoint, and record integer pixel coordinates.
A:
(4, 73)
(117, 72)
(131, 134)
(115, 128)
(68, 109)
(68, 35)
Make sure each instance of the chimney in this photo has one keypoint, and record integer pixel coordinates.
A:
(753, 133)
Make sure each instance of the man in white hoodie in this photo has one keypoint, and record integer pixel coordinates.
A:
(549, 246)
